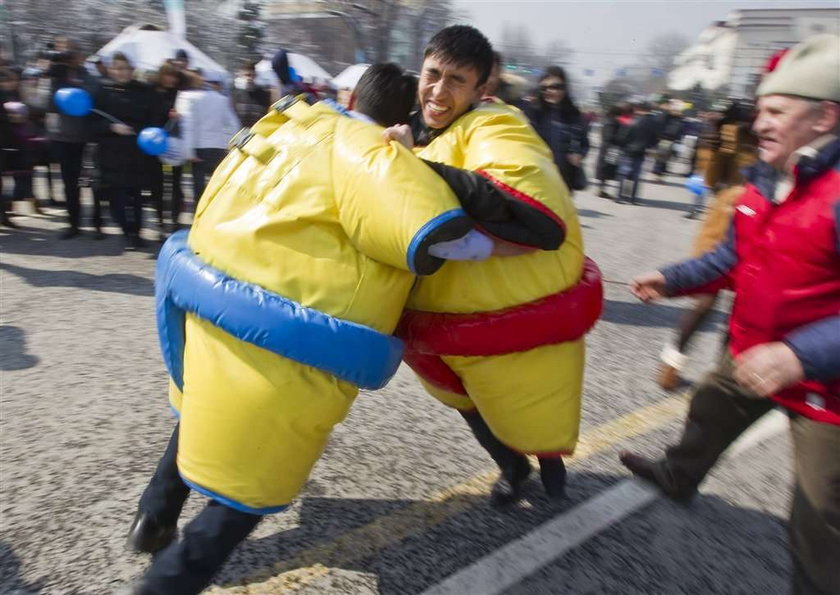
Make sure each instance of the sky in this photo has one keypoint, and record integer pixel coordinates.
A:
(606, 35)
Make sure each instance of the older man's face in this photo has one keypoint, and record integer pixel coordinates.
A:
(783, 125)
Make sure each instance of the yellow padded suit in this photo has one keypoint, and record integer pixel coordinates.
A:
(317, 208)
(529, 398)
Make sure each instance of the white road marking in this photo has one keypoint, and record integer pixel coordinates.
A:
(509, 565)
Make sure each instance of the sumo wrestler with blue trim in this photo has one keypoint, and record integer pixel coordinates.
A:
(273, 312)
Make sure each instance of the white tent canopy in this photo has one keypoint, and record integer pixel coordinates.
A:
(306, 67)
(148, 48)
(349, 77)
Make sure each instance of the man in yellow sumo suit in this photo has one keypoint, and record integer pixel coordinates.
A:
(500, 340)
(275, 309)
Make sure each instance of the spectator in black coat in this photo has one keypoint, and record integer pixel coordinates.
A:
(68, 134)
(120, 161)
(635, 141)
(609, 152)
(251, 101)
(671, 130)
(164, 90)
(559, 122)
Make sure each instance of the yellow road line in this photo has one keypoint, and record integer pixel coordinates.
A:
(368, 540)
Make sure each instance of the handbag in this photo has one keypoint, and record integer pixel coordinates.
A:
(578, 179)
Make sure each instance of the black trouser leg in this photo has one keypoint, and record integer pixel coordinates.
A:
(694, 318)
(815, 513)
(70, 160)
(177, 194)
(154, 172)
(166, 493)
(720, 411)
(187, 566)
(508, 460)
(127, 209)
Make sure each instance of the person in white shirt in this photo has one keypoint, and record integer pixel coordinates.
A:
(207, 124)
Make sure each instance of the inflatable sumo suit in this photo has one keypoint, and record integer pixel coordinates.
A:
(281, 302)
(505, 335)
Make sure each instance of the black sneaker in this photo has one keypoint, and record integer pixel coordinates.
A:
(508, 488)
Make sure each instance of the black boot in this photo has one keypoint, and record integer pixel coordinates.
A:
(553, 476)
(657, 473)
(148, 535)
(514, 466)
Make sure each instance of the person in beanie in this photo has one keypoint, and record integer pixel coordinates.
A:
(782, 260)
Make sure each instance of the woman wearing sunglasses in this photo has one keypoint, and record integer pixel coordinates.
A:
(560, 124)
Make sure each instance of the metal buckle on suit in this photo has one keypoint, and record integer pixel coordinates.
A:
(240, 138)
(285, 103)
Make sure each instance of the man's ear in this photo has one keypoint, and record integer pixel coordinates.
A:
(829, 118)
(481, 91)
(352, 103)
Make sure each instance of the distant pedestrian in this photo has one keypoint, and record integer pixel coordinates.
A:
(609, 153)
(207, 124)
(119, 161)
(68, 134)
(635, 140)
(561, 125)
(250, 100)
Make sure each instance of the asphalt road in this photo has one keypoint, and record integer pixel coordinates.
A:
(398, 503)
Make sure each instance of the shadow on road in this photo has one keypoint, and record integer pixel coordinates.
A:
(407, 555)
(652, 315)
(593, 214)
(111, 282)
(13, 356)
(10, 580)
(40, 242)
(664, 204)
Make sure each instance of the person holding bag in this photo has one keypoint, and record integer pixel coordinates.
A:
(560, 124)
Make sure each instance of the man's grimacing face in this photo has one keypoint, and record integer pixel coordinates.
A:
(446, 91)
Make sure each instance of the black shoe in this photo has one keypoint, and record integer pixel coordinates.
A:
(148, 535)
(691, 215)
(655, 472)
(69, 233)
(553, 476)
(98, 235)
(508, 488)
(7, 222)
(604, 194)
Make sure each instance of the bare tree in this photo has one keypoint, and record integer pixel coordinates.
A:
(557, 52)
(663, 50)
(517, 48)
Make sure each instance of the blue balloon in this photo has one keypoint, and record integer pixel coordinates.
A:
(153, 141)
(696, 185)
(73, 101)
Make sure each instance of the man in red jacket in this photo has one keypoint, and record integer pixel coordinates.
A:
(782, 259)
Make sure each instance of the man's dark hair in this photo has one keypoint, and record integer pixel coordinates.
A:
(463, 46)
(386, 94)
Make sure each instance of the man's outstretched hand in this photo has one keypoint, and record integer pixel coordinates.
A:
(649, 286)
